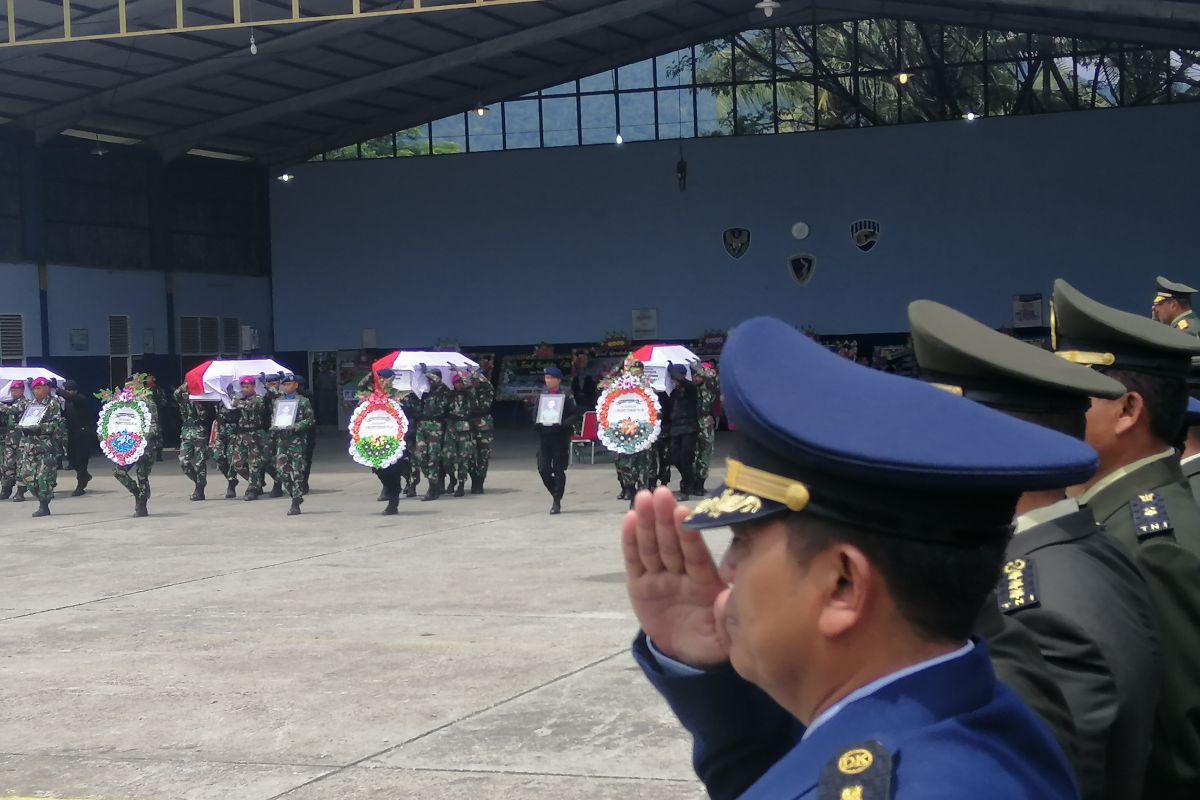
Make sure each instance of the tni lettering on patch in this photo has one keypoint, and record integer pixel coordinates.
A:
(1149, 511)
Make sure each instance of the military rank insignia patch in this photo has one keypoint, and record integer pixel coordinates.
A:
(863, 772)
(1150, 518)
(1018, 586)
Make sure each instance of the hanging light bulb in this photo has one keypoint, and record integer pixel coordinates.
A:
(970, 116)
(480, 109)
(902, 78)
(253, 46)
(620, 138)
(767, 7)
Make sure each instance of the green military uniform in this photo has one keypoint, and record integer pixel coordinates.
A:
(291, 448)
(196, 424)
(1148, 508)
(10, 413)
(138, 484)
(40, 448)
(224, 447)
(483, 428)
(1076, 590)
(249, 452)
(270, 435)
(707, 392)
(1187, 322)
(458, 451)
(430, 436)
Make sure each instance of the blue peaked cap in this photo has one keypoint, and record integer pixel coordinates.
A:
(1192, 417)
(889, 453)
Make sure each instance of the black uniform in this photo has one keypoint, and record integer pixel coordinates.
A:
(554, 450)
(80, 414)
(684, 432)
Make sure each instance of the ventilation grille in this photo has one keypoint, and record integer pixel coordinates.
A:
(12, 336)
(118, 336)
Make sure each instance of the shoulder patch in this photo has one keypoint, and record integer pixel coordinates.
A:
(1150, 519)
(1018, 586)
(1183, 325)
(862, 772)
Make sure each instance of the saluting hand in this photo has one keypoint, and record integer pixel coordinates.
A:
(673, 581)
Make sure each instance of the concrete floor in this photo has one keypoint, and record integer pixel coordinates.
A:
(466, 648)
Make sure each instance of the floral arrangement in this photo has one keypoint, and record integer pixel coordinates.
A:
(123, 425)
(127, 392)
(620, 430)
(377, 450)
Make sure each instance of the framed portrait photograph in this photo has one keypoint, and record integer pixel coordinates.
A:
(285, 413)
(32, 417)
(550, 409)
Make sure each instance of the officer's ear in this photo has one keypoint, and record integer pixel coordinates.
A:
(1131, 410)
(848, 585)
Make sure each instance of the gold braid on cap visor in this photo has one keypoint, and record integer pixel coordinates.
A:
(1086, 358)
(766, 485)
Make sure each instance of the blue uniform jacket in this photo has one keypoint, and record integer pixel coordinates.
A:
(953, 730)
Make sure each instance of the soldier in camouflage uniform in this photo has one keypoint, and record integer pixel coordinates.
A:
(431, 432)
(225, 443)
(270, 435)
(292, 442)
(458, 449)
(139, 484)
(636, 471)
(708, 389)
(11, 409)
(40, 447)
(248, 452)
(481, 393)
(196, 427)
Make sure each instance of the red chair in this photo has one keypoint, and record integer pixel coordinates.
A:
(589, 436)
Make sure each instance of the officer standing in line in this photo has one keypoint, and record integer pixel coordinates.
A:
(832, 655)
(458, 453)
(270, 435)
(11, 408)
(554, 441)
(708, 390)
(80, 417)
(1140, 497)
(194, 432)
(225, 442)
(1076, 589)
(251, 437)
(291, 440)
(1173, 306)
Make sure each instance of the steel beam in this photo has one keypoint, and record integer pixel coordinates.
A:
(176, 143)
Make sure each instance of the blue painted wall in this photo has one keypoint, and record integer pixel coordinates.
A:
(209, 295)
(19, 295)
(83, 297)
(562, 244)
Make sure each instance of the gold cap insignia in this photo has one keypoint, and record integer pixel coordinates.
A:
(728, 502)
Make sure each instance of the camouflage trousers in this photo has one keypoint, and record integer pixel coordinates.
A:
(428, 451)
(291, 458)
(270, 449)
(37, 470)
(636, 470)
(458, 454)
(138, 486)
(249, 457)
(10, 457)
(704, 449)
(483, 436)
(222, 450)
(193, 456)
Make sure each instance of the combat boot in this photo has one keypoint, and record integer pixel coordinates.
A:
(231, 490)
(432, 494)
(20, 498)
(476, 484)
(411, 491)
(43, 509)
(699, 491)
(624, 495)
(295, 509)
(198, 494)
(78, 489)
(392, 507)
(383, 495)
(304, 486)
(460, 490)
(139, 507)
(5, 492)
(252, 493)
(556, 506)
(277, 490)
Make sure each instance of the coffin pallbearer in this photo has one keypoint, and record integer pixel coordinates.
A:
(292, 418)
(431, 430)
(250, 449)
(194, 434)
(10, 443)
(40, 429)
(458, 454)
(225, 441)
(482, 394)
(708, 391)
(683, 428)
(271, 383)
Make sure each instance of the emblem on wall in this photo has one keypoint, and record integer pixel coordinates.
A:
(865, 234)
(802, 267)
(736, 241)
